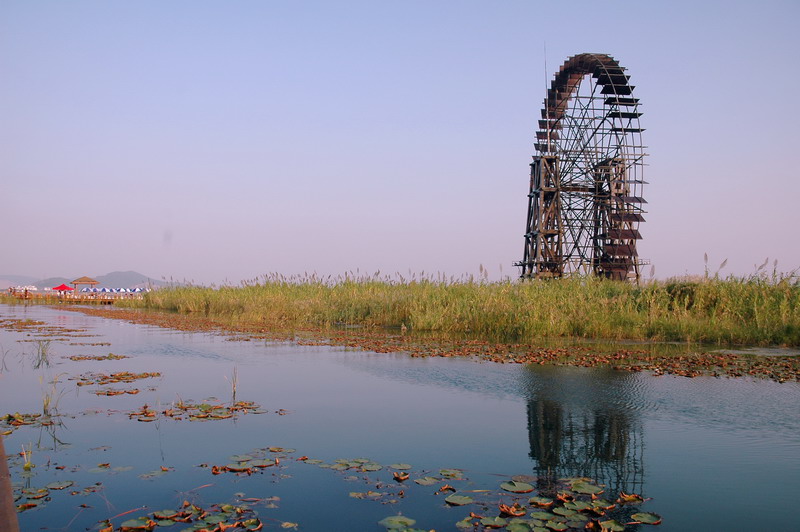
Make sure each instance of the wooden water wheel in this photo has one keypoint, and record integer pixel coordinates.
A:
(585, 203)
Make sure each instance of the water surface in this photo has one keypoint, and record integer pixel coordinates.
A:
(714, 454)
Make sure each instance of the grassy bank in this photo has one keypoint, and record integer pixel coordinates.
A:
(753, 311)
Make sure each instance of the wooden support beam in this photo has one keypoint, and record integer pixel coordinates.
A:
(8, 512)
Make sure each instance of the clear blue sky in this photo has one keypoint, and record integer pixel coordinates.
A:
(207, 140)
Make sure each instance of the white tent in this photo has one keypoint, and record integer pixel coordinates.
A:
(29, 288)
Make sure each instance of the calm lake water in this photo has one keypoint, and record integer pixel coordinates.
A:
(714, 454)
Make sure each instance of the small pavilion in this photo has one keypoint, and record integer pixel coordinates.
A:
(88, 281)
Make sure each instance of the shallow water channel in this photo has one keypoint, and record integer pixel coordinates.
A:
(713, 454)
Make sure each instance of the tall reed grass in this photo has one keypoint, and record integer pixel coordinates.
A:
(756, 310)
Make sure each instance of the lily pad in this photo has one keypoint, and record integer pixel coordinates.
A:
(165, 514)
(644, 518)
(465, 523)
(26, 506)
(630, 498)
(611, 526)
(586, 489)
(494, 522)
(367, 495)
(602, 504)
(252, 524)
(60, 485)
(556, 526)
(459, 500)
(541, 502)
(517, 487)
(578, 506)
(395, 522)
(238, 467)
(451, 473)
(152, 474)
(34, 493)
(140, 523)
(426, 481)
(565, 496)
(401, 467)
(280, 450)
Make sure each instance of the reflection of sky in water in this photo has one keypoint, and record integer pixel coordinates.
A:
(494, 380)
(668, 437)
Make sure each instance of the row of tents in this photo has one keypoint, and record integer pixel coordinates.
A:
(114, 290)
(93, 290)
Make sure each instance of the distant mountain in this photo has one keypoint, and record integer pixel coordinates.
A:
(15, 280)
(50, 282)
(127, 279)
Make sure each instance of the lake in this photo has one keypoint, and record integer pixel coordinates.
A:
(712, 453)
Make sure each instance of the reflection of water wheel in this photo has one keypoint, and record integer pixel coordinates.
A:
(585, 201)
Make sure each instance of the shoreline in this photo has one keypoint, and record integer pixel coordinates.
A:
(618, 355)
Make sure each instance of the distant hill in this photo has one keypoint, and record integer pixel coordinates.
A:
(15, 280)
(129, 279)
(50, 282)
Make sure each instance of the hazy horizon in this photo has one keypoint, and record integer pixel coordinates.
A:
(217, 142)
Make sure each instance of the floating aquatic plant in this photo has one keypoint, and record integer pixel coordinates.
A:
(217, 517)
(459, 500)
(397, 522)
(110, 356)
(114, 378)
(517, 487)
(569, 504)
(199, 411)
(12, 421)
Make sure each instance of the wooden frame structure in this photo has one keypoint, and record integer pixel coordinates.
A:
(88, 281)
(585, 199)
(8, 510)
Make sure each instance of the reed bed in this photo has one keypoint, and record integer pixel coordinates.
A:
(756, 310)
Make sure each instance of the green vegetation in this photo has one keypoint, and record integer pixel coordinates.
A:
(569, 504)
(757, 310)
